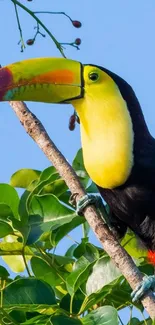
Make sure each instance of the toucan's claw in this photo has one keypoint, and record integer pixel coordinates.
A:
(84, 202)
(147, 284)
(89, 199)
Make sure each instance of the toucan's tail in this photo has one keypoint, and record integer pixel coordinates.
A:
(151, 257)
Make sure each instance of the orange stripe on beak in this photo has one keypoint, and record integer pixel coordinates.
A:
(55, 77)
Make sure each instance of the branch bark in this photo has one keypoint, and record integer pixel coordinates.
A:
(119, 256)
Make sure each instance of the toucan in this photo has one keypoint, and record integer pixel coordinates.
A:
(118, 149)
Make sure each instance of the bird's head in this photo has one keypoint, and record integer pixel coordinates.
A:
(109, 111)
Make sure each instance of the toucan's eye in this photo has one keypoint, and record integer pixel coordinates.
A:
(94, 76)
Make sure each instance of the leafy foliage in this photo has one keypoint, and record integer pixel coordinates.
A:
(82, 287)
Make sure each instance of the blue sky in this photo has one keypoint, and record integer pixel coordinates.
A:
(119, 35)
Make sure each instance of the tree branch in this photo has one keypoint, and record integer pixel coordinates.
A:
(117, 253)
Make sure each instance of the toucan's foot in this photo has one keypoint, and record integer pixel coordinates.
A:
(85, 201)
(147, 284)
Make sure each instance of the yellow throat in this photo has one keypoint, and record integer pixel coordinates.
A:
(106, 132)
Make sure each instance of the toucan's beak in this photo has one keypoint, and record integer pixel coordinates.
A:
(50, 80)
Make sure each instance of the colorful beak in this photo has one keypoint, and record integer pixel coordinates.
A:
(49, 80)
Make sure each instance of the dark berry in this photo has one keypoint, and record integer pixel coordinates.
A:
(72, 123)
(30, 41)
(78, 41)
(76, 23)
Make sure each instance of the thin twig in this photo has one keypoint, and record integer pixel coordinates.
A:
(53, 13)
(26, 266)
(31, 13)
(117, 253)
(20, 29)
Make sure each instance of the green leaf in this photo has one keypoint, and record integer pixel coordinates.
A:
(48, 172)
(28, 291)
(46, 178)
(65, 197)
(11, 253)
(76, 302)
(64, 320)
(39, 320)
(5, 229)
(43, 271)
(131, 245)
(70, 250)
(92, 188)
(5, 211)
(49, 214)
(109, 295)
(79, 275)
(134, 321)
(78, 163)
(62, 231)
(23, 177)
(23, 211)
(9, 197)
(4, 274)
(61, 260)
(58, 187)
(51, 209)
(19, 316)
(87, 250)
(78, 166)
(104, 272)
(105, 315)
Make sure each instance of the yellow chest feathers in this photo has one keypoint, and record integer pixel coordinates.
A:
(107, 139)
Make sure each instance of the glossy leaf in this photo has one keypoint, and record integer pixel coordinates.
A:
(23, 211)
(11, 253)
(23, 177)
(87, 250)
(38, 320)
(51, 209)
(5, 229)
(49, 214)
(134, 321)
(109, 294)
(105, 315)
(58, 187)
(48, 172)
(78, 166)
(43, 271)
(5, 211)
(132, 246)
(104, 272)
(92, 188)
(9, 197)
(78, 163)
(64, 320)
(79, 275)
(28, 291)
(63, 230)
(4, 274)
(77, 301)
(70, 250)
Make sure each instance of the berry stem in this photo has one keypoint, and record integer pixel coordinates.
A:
(53, 13)
(20, 29)
(31, 13)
